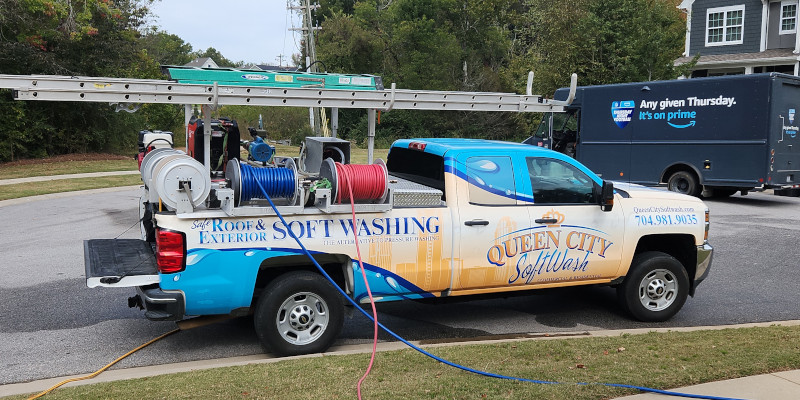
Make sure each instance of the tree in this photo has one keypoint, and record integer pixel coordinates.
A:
(67, 37)
(421, 44)
(603, 41)
(165, 48)
(215, 55)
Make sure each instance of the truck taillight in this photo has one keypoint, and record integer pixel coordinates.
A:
(417, 146)
(708, 224)
(170, 251)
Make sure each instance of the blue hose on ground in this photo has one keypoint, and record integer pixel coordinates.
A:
(461, 367)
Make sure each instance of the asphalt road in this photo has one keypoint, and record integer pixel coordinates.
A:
(52, 325)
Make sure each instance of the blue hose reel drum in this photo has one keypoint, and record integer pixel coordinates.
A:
(278, 182)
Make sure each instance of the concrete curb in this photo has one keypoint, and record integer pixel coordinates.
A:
(792, 377)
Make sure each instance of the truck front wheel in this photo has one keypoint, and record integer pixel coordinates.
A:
(655, 288)
(683, 182)
(298, 313)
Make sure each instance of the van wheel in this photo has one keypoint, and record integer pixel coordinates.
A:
(298, 313)
(655, 288)
(683, 182)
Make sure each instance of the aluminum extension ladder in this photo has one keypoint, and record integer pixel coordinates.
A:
(128, 93)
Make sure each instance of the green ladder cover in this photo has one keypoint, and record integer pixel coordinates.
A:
(280, 79)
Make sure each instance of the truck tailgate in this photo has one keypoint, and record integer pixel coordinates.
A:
(119, 263)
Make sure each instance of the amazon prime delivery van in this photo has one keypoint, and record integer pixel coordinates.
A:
(709, 136)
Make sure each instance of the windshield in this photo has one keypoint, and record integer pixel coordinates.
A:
(561, 122)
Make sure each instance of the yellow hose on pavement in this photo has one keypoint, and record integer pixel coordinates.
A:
(92, 375)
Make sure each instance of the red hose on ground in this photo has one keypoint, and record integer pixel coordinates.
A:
(346, 178)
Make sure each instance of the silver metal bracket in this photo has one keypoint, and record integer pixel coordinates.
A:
(225, 197)
(184, 201)
(127, 107)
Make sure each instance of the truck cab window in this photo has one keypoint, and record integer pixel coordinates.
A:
(491, 181)
(557, 182)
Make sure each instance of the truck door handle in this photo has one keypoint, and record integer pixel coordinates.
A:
(546, 221)
(476, 222)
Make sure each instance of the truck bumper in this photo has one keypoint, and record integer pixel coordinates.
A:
(704, 256)
(159, 305)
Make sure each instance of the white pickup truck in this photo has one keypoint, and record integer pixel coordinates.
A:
(460, 217)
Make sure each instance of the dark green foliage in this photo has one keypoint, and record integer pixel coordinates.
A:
(603, 41)
(166, 48)
(421, 44)
(65, 37)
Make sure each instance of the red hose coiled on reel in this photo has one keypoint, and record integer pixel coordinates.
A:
(367, 181)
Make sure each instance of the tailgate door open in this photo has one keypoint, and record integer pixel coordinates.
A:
(119, 263)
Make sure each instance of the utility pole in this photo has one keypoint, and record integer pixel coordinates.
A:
(308, 30)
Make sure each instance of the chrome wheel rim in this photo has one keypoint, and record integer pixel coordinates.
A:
(302, 318)
(658, 290)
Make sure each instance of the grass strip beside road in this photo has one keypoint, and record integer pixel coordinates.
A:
(657, 360)
(48, 167)
(66, 185)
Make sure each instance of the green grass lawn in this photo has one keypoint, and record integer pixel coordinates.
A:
(63, 165)
(658, 360)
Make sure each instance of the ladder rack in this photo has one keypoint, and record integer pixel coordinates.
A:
(133, 91)
(128, 93)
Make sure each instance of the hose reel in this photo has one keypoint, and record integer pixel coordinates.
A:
(279, 182)
(178, 176)
(368, 181)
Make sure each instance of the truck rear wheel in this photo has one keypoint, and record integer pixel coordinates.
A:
(656, 287)
(298, 313)
(683, 182)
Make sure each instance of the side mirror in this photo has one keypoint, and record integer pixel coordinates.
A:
(606, 199)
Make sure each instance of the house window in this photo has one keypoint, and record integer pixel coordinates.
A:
(788, 17)
(724, 25)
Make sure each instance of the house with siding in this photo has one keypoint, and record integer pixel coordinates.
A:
(741, 36)
(202, 62)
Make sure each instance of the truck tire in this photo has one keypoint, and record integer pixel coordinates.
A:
(655, 288)
(298, 313)
(684, 182)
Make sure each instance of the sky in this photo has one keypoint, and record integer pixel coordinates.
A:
(253, 31)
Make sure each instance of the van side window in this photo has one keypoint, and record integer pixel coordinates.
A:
(558, 182)
(491, 181)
